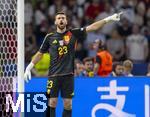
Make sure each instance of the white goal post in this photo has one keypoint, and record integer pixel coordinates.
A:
(11, 51)
(20, 45)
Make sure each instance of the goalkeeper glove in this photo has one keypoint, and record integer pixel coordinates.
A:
(114, 17)
(27, 74)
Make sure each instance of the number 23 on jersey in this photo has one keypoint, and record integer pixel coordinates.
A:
(62, 50)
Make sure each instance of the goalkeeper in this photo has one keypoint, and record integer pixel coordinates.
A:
(61, 46)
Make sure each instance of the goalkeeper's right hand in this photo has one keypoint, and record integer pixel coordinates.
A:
(27, 74)
(114, 17)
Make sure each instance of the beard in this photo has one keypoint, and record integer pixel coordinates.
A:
(61, 26)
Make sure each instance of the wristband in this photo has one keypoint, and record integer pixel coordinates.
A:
(107, 19)
(30, 66)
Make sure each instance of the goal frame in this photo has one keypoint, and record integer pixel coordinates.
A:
(20, 45)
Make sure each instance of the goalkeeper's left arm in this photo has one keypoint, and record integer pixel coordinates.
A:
(99, 24)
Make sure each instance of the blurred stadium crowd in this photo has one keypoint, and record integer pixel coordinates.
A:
(128, 41)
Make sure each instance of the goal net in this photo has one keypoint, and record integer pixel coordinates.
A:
(8, 52)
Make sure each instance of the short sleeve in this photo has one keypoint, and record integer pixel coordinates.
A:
(79, 33)
(98, 60)
(45, 45)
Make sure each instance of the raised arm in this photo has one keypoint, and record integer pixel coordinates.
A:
(99, 24)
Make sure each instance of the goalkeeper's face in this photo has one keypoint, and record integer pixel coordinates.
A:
(61, 21)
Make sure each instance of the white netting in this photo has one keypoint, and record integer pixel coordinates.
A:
(8, 50)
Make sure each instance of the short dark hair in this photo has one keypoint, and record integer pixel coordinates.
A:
(115, 64)
(101, 44)
(60, 12)
(88, 59)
